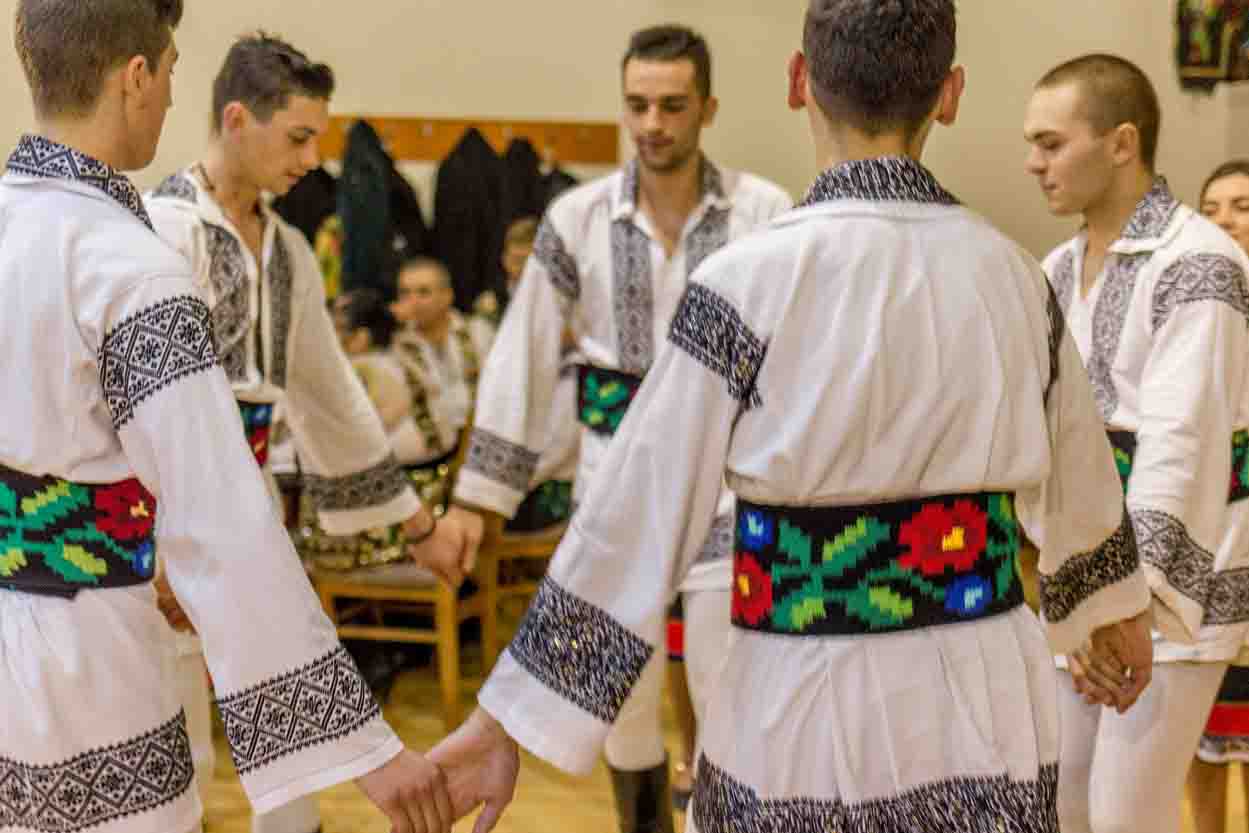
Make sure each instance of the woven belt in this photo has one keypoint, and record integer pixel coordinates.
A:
(58, 537)
(835, 571)
(257, 425)
(1124, 445)
(603, 396)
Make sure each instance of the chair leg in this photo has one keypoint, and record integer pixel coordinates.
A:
(490, 614)
(448, 627)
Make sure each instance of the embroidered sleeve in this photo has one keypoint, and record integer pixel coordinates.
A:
(151, 350)
(1082, 576)
(1199, 277)
(579, 651)
(375, 485)
(501, 461)
(708, 328)
(561, 268)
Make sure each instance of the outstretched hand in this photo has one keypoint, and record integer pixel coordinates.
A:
(481, 764)
(412, 791)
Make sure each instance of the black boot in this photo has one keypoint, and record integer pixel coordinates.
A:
(643, 800)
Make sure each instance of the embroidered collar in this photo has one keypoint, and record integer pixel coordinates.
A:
(1153, 213)
(712, 187)
(888, 178)
(40, 157)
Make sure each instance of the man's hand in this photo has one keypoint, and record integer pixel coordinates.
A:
(441, 551)
(412, 791)
(481, 764)
(168, 605)
(473, 527)
(1118, 665)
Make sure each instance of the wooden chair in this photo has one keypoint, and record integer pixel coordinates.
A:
(404, 586)
(495, 555)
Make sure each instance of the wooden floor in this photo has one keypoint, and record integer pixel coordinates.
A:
(547, 801)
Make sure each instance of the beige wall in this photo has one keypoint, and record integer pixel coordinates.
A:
(558, 59)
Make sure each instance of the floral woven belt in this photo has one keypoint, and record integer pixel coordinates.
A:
(257, 425)
(603, 396)
(57, 537)
(1124, 445)
(879, 568)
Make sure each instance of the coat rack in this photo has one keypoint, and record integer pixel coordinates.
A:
(431, 139)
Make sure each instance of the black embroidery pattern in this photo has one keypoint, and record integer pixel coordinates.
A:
(178, 187)
(1199, 277)
(281, 291)
(1153, 213)
(1057, 329)
(550, 251)
(371, 487)
(323, 701)
(37, 156)
(1084, 575)
(1109, 318)
(708, 237)
(889, 178)
(1189, 568)
(100, 786)
(232, 319)
(151, 350)
(1063, 280)
(501, 461)
(708, 328)
(722, 804)
(720, 540)
(579, 651)
(633, 302)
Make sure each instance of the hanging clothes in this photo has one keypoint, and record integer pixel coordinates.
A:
(468, 222)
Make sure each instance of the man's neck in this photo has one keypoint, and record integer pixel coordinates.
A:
(436, 333)
(669, 194)
(1107, 217)
(228, 184)
(89, 136)
(835, 146)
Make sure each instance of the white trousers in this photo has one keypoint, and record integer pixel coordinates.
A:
(636, 741)
(193, 690)
(1125, 773)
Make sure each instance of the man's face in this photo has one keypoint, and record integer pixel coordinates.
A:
(148, 109)
(664, 112)
(425, 297)
(278, 153)
(1072, 164)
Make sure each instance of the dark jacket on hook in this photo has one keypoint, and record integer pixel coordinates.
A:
(468, 217)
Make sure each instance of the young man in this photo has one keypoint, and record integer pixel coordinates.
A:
(879, 378)
(610, 263)
(273, 332)
(1156, 301)
(441, 352)
(128, 418)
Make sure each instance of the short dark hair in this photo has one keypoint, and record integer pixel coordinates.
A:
(368, 309)
(425, 262)
(1233, 167)
(1113, 91)
(67, 47)
(879, 64)
(263, 72)
(672, 43)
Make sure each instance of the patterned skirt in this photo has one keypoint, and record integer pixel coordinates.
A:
(950, 729)
(1227, 732)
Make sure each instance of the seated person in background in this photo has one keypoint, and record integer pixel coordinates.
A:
(517, 246)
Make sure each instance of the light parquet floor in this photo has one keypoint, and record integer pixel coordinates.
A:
(547, 801)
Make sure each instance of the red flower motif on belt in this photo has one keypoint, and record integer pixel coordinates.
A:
(752, 590)
(127, 510)
(941, 537)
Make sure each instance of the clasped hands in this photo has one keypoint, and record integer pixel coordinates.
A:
(1115, 667)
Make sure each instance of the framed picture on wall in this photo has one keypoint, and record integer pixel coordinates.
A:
(1212, 41)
